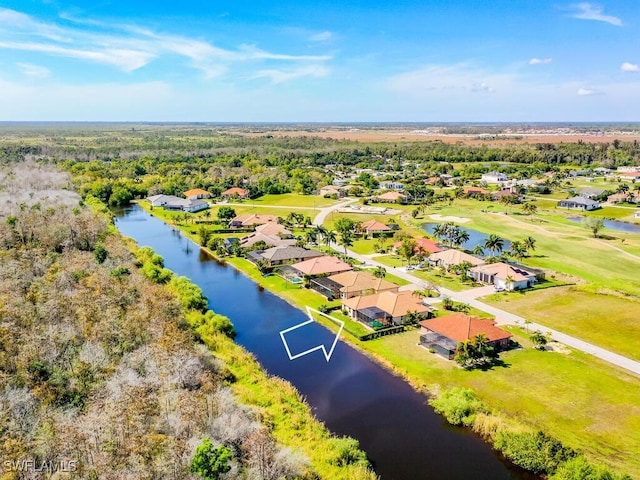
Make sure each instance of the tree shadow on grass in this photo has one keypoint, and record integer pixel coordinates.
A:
(496, 363)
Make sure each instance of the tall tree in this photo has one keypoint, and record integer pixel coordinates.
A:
(595, 224)
(494, 243)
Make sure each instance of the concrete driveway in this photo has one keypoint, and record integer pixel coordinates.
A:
(479, 292)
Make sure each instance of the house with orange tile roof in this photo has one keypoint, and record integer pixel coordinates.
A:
(423, 245)
(392, 197)
(249, 220)
(475, 192)
(451, 256)
(503, 275)
(196, 194)
(321, 266)
(385, 308)
(443, 334)
(373, 228)
(350, 284)
(235, 192)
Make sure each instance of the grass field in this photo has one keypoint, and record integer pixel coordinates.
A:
(605, 320)
(582, 401)
(293, 200)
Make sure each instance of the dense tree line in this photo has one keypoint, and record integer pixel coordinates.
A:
(100, 370)
(118, 163)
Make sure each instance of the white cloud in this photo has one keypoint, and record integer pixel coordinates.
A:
(128, 47)
(280, 76)
(630, 67)
(589, 11)
(588, 92)
(127, 60)
(34, 72)
(321, 37)
(538, 61)
(458, 77)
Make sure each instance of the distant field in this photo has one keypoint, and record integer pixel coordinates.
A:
(412, 135)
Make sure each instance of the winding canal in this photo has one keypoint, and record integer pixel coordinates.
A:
(351, 394)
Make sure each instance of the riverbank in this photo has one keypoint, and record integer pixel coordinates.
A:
(551, 391)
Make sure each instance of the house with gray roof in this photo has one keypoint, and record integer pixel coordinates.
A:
(578, 203)
(282, 255)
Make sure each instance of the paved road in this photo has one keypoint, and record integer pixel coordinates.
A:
(502, 317)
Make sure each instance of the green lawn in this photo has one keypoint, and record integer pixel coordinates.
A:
(293, 200)
(562, 245)
(582, 401)
(611, 322)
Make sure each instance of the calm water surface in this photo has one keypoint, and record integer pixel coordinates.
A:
(351, 394)
(613, 225)
(475, 237)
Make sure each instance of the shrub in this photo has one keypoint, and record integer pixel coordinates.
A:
(533, 451)
(458, 405)
(579, 468)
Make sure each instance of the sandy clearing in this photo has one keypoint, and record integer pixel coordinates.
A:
(391, 135)
(450, 218)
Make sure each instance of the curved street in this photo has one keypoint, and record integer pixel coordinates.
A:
(502, 317)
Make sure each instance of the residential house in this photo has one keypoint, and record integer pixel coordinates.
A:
(503, 275)
(249, 220)
(196, 194)
(330, 190)
(628, 169)
(385, 308)
(443, 334)
(321, 266)
(423, 246)
(173, 203)
(505, 192)
(282, 255)
(391, 185)
(373, 228)
(350, 284)
(161, 200)
(186, 205)
(494, 177)
(475, 192)
(631, 197)
(235, 192)
(579, 203)
(270, 240)
(450, 257)
(630, 176)
(591, 192)
(392, 197)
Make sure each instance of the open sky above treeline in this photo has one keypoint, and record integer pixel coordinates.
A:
(321, 60)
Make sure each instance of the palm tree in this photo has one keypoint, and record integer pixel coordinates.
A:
(494, 243)
(346, 240)
(518, 250)
(461, 236)
(439, 231)
(478, 250)
(311, 236)
(380, 272)
(329, 237)
(529, 244)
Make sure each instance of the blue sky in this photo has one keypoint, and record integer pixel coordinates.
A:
(350, 60)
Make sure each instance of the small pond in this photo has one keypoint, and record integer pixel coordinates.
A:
(613, 225)
(475, 237)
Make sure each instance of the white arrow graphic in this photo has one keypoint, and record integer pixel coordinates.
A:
(328, 354)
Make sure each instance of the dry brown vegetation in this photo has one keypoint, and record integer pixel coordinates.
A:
(100, 372)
